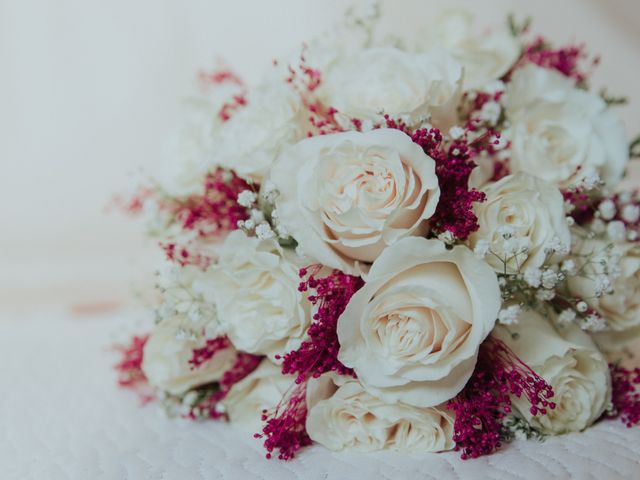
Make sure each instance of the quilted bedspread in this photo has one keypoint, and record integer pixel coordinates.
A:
(62, 417)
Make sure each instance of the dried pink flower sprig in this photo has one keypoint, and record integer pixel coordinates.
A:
(285, 429)
(625, 394)
(454, 164)
(285, 426)
(330, 297)
(486, 399)
(129, 367)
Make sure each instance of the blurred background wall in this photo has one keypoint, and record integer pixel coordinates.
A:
(89, 89)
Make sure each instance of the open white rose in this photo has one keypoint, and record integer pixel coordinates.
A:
(344, 416)
(620, 309)
(571, 363)
(484, 57)
(255, 288)
(521, 212)
(561, 133)
(250, 140)
(412, 332)
(261, 390)
(346, 196)
(167, 353)
(185, 163)
(412, 86)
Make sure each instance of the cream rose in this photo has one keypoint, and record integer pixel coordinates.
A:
(412, 86)
(521, 217)
(250, 140)
(571, 363)
(484, 58)
(412, 332)
(255, 288)
(168, 351)
(561, 133)
(261, 390)
(344, 416)
(346, 196)
(621, 308)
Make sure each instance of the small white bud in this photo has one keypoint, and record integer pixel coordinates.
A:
(264, 232)
(631, 213)
(247, 198)
(607, 209)
(567, 316)
(456, 132)
(617, 231)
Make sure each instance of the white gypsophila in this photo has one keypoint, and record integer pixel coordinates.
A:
(532, 276)
(485, 57)
(631, 213)
(176, 285)
(412, 332)
(250, 140)
(607, 209)
(561, 133)
(254, 286)
(509, 315)
(617, 231)
(261, 390)
(522, 218)
(343, 416)
(247, 198)
(610, 283)
(166, 358)
(412, 86)
(344, 197)
(571, 363)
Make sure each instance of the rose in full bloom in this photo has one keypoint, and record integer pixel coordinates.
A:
(412, 332)
(521, 217)
(248, 143)
(344, 416)
(411, 86)
(484, 57)
(254, 286)
(571, 363)
(167, 354)
(344, 197)
(620, 263)
(261, 390)
(561, 133)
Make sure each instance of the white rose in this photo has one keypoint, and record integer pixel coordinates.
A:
(185, 162)
(343, 416)
(412, 86)
(261, 390)
(255, 288)
(520, 212)
(484, 58)
(620, 309)
(250, 140)
(168, 351)
(412, 332)
(346, 196)
(571, 363)
(561, 133)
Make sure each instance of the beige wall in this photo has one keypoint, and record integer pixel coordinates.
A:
(89, 89)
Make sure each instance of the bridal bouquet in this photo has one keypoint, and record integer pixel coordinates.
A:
(415, 244)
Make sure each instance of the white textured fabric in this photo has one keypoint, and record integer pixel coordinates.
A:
(61, 417)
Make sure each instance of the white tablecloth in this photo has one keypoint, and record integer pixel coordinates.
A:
(62, 417)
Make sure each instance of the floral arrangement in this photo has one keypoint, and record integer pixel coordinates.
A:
(389, 243)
